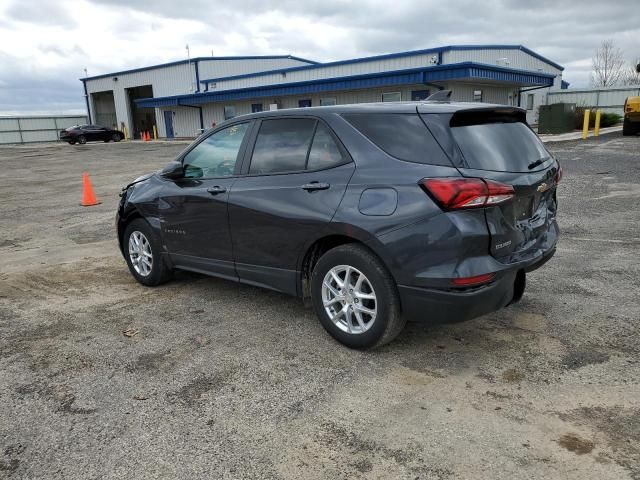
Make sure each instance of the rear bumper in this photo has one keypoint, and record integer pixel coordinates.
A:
(448, 306)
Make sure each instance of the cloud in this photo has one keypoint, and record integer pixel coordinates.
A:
(50, 42)
(40, 12)
(27, 90)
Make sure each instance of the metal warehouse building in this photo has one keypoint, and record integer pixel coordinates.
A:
(182, 98)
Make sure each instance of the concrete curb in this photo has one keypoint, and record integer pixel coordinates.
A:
(565, 137)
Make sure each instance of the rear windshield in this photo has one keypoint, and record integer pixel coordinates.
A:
(403, 136)
(503, 147)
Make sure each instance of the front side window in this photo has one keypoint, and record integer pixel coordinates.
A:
(216, 156)
(282, 145)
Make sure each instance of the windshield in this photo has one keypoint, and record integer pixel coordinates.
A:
(503, 147)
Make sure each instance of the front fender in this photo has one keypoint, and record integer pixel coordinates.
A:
(139, 200)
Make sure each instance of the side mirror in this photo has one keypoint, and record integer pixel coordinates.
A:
(173, 170)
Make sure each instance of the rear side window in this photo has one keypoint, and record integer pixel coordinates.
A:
(282, 145)
(403, 136)
(324, 152)
(502, 147)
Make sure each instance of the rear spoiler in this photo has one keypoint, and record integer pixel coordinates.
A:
(479, 116)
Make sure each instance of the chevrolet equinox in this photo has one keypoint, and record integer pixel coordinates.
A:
(373, 213)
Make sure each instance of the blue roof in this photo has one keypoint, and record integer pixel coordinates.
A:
(198, 59)
(387, 56)
(456, 71)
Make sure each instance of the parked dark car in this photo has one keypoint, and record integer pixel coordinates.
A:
(89, 133)
(374, 213)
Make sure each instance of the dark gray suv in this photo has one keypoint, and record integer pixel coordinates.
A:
(375, 213)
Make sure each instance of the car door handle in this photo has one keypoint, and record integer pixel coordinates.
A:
(216, 190)
(310, 187)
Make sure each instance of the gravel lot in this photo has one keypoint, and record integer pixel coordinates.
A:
(229, 381)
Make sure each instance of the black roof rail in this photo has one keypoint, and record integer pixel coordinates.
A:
(440, 96)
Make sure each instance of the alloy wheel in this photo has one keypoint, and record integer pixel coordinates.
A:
(140, 253)
(349, 299)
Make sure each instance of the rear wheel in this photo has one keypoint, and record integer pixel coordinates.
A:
(116, 137)
(144, 254)
(629, 128)
(82, 139)
(355, 297)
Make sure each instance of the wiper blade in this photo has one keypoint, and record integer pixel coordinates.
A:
(538, 162)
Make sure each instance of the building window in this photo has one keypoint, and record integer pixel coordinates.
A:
(391, 97)
(530, 101)
(304, 103)
(229, 112)
(328, 101)
(418, 95)
(256, 107)
(477, 95)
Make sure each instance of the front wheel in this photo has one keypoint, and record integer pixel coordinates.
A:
(355, 297)
(144, 254)
(82, 139)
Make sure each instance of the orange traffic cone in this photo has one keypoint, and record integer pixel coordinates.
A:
(147, 137)
(88, 196)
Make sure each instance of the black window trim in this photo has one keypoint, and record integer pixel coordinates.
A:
(241, 152)
(250, 148)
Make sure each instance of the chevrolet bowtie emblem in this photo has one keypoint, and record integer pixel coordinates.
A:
(543, 187)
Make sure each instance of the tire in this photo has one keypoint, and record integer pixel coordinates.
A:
(116, 137)
(158, 272)
(72, 142)
(82, 139)
(629, 128)
(388, 321)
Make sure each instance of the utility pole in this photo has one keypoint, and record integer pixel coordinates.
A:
(86, 95)
(189, 63)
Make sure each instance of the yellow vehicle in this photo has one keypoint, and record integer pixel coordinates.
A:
(631, 123)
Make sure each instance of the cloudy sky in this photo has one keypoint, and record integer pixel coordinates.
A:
(45, 45)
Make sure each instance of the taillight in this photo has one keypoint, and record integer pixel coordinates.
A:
(559, 174)
(457, 193)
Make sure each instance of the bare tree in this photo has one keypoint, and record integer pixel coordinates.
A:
(608, 65)
(631, 75)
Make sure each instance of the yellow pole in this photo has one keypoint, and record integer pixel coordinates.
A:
(155, 132)
(585, 124)
(596, 127)
(126, 133)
